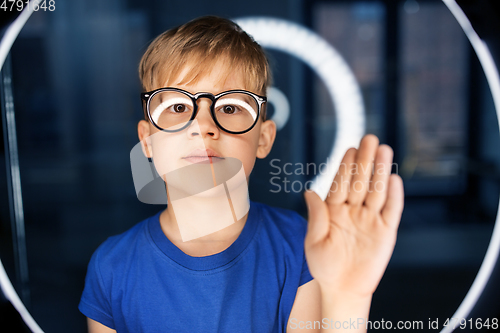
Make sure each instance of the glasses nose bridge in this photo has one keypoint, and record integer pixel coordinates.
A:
(205, 95)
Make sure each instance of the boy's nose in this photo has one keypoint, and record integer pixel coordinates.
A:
(206, 125)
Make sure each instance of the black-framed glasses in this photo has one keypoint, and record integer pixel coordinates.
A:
(173, 109)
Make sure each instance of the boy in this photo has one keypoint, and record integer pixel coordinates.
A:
(204, 103)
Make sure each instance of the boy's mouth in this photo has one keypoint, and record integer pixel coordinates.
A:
(203, 156)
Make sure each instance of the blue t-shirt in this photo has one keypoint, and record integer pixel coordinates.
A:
(139, 281)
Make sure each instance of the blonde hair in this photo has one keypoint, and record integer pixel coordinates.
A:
(200, 44)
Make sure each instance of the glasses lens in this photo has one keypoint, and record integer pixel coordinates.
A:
(170, 110)
(236, 112)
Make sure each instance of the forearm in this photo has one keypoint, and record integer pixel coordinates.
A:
(344, 312)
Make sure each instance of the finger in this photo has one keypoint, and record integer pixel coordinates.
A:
(393, 208)
(340, 186)
(377, 193)
(363, 169)
(318, 221)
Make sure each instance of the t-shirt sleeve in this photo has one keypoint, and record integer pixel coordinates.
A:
(305, 276)
(95, 300)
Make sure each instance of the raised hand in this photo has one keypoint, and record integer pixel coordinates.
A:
(351, 235)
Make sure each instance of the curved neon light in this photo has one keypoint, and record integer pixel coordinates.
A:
(10, 293)
(491, 72)
(328, 64)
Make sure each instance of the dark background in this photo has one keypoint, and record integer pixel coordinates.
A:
(76, 95)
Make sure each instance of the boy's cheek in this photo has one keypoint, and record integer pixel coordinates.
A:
(165, 152)
(163, 165)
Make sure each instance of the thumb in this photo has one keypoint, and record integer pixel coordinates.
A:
(318, 217)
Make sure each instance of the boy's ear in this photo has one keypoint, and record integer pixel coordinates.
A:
(266, 139)
(144, 132)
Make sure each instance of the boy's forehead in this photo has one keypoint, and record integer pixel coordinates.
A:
(215, 77)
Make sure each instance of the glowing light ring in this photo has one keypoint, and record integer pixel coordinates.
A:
(338, 78)
(491, 72)
(10, 293)
(261, 29)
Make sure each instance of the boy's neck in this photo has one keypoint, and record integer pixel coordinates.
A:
(203, 246)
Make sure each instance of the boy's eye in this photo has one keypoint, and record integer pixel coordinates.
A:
(229, 109)
(235, 104)
(178, 108)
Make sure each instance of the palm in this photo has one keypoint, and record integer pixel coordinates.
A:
(351, 234)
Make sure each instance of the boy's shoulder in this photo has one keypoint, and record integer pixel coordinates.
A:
(115, 248)
(288, 222)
